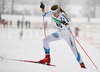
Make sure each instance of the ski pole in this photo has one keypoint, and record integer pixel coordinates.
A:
(44, 27)
(84, 51)
(42, 6)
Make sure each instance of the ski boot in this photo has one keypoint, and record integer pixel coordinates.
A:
(82, 65)
(46, 60)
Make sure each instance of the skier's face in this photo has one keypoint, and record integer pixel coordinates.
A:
(56, 14)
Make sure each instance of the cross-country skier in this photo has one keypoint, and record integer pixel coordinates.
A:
(62, 23)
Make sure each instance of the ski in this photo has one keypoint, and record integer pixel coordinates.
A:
(29, 61)
(38, 62)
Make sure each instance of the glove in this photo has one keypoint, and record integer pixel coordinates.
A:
(42, 6)
(65, 23)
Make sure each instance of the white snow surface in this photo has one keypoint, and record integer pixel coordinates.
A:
(30, 48)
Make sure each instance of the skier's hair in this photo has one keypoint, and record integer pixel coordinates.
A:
(56, 7)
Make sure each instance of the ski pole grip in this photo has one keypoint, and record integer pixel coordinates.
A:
(42, 5)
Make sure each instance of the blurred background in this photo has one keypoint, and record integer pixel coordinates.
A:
(77, 8)
(26, 14)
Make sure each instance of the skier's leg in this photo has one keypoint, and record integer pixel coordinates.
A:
(73, 47)
(46, 41)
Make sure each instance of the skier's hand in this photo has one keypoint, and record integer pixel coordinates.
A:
(65, 23)
(42, 6)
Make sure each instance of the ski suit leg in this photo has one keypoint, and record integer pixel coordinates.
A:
(71, 42)
(52, 37)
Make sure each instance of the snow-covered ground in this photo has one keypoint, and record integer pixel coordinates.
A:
(30, 47)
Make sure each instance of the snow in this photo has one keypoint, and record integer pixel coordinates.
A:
(30, 47)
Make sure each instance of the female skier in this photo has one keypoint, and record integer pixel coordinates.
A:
(62, 23)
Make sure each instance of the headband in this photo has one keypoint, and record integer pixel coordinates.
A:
(54, 11)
